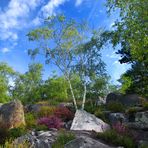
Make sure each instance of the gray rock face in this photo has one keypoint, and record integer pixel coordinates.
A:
(86, 121)
(141, 121)
(128, 100)
(85, 142)
(12, 115)
(39, 139)
(117, 117)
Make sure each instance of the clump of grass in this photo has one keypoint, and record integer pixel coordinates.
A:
(63, 138)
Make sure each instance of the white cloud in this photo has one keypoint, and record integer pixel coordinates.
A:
(49, 8)
(14, 17)
(5, 50)
(113, 55)
(118, 69)
(78, 2)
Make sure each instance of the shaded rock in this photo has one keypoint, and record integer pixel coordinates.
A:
(40, 139)
(114, 97)
(128, 100)
(12, 115)
(141, 121)
(117, 117)
(142, 117)
(34, 107)
(86, 121)
(85, 142)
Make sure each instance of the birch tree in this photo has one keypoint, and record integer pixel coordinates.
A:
(57, 40)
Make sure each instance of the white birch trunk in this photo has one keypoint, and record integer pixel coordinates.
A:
(72, 93)
(84, 97)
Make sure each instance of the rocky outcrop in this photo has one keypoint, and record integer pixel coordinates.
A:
(86, 121)
(85, 142)
(12, 115)
(141, 121)
(127, 100)
(40, 139)
(117, 117)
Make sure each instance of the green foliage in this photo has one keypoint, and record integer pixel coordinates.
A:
(115, 107)
(27, 86)
(56, 88)
(131, 29)
(63, 138)
(145, 105)
(11, 144)
(6, 73)
(112, 137)
(41, 128)
(46, 111)
(131, 110)
(99, 113)
(31, 120)
(137, 78)
(17, 132)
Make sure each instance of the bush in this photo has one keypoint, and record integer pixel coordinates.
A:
(30, 119)
(145, 105)
(51, 122)
(17, 132)
(11, 144)
(98, 113)
(62, 139)
(112, 137)
(115, 107)
(46, 111)
(41, 128)
(64, 113)
(131, 110)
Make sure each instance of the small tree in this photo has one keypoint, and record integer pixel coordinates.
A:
(57, 42)
(27, 86)
(89, 64)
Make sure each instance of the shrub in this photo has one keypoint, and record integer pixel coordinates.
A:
(51, 122)
(62, 139)
(131, 110)
(46, 111)
(11, 144)
(112, 137)
(17, 132)
(43, 102)
(30, 119)
(115, 107)
(145, 105)
(64, 113)
(98, 113)
(41, 128)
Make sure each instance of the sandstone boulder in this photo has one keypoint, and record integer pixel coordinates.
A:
(12, 115)
(86, 121)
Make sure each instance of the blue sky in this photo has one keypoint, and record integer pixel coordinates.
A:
(18, 17)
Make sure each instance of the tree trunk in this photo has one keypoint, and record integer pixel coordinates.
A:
(73, 97)
(84, 97)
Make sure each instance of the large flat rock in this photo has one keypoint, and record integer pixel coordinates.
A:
(86, 121)
(85, 142)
